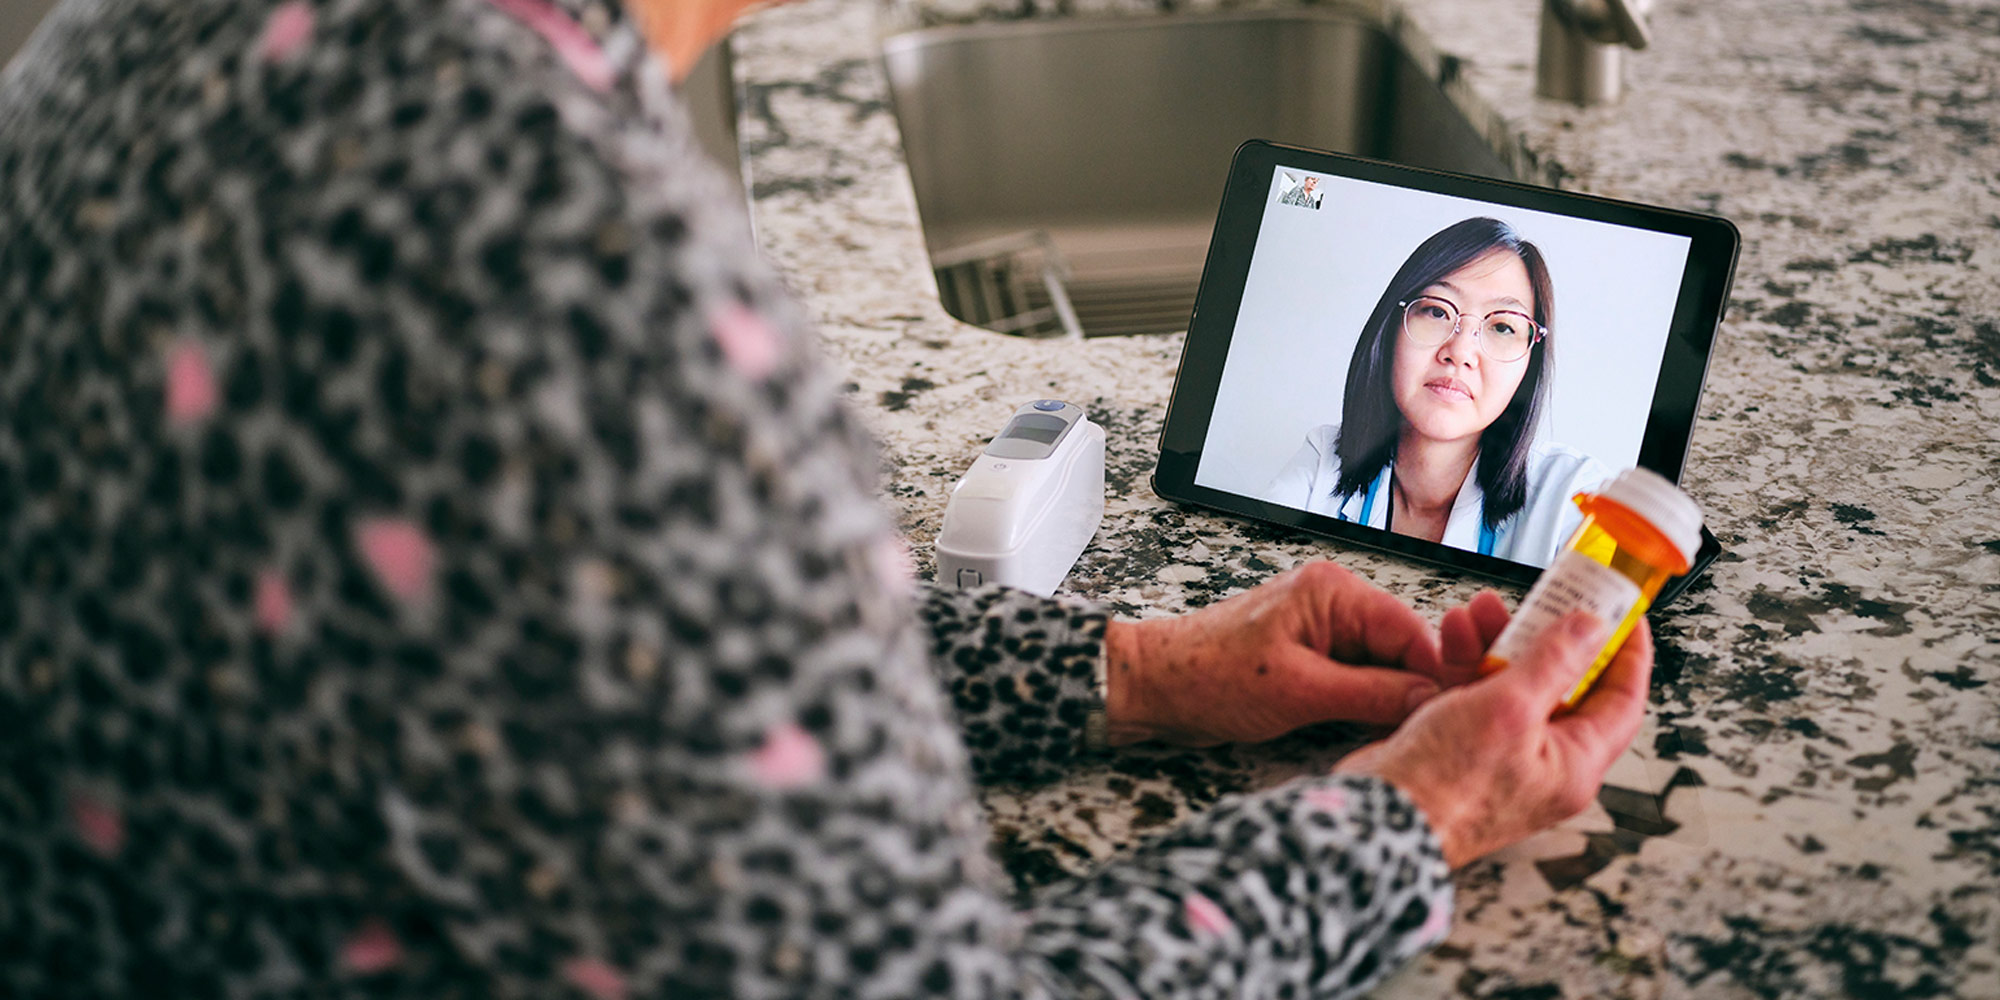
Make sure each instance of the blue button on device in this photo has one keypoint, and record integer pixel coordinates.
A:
(1048, 404)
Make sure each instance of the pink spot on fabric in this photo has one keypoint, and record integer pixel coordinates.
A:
(191, 390)
(748, 342)
(1437, 925)
(99, 825)
(286, 31)
(371, 949)
(571, 42)
(894, 567)
(274, 602)
(1332, 800)
(400, 554)
(1205, 916)
(595, 977)
(789, 758)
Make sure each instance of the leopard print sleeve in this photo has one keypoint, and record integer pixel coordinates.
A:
(1343, 871)
(1320, 888)
(433, 563)
(1023, 676)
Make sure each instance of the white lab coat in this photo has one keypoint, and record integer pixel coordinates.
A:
(1533, 535)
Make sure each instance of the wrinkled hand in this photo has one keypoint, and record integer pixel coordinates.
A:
(1312, 645)
(1490, 762)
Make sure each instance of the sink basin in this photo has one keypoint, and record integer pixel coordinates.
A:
(1084, 160)
(710, 94)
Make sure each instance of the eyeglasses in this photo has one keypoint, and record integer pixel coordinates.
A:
(1503, 335)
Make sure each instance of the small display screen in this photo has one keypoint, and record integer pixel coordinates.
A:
(1034, 427)
(1029, 436)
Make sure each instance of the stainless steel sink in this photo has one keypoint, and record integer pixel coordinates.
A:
(1112, 139)
(710, 93)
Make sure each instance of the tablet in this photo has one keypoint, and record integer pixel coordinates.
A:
(1433, 364)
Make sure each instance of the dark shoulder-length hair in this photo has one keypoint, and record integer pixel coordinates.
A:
(1370, 422)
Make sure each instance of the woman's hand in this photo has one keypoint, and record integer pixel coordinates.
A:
(1315, 644)
(1488, 762)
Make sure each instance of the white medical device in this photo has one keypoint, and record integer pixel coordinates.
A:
(1029, 504)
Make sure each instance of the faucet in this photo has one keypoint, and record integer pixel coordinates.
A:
(1580, 48)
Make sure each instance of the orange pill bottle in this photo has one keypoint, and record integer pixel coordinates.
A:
(1637, 533)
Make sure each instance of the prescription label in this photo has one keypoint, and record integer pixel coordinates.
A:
(1574, 581)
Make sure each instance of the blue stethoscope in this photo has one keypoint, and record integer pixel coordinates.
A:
(1486, 532)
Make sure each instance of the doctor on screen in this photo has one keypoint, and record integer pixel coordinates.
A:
(1444, 392)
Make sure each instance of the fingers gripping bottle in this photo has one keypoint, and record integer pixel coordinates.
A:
(1637, 533)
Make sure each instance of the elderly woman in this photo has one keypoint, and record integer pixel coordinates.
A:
(436, 565)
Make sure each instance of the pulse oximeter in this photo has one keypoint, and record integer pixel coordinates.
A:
(1030, 503)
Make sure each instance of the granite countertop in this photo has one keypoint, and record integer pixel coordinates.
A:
(1824, 743)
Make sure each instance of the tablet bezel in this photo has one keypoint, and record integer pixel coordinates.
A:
(1698, 310)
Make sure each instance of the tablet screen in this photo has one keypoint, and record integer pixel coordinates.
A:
(1430, 363)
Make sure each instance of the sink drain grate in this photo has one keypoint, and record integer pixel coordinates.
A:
(1011, 284)
(1129, 306)
(1022, 284)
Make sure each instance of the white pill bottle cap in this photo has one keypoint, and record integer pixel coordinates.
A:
(1649, 495)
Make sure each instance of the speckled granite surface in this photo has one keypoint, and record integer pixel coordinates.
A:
(1825, 734)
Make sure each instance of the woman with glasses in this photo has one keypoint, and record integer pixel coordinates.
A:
(1444, 392)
